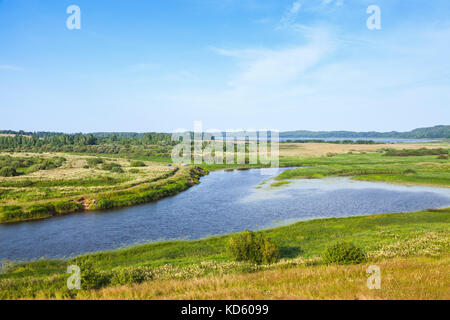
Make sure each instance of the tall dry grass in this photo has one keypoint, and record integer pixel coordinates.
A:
(401, 278)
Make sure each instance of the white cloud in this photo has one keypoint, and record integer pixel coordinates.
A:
(331, 83)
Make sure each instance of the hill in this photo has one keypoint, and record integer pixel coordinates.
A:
(436, 132)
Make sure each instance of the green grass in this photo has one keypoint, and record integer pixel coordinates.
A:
(85, 182)
(78, 183)
(154, 189)
(427, 170)
(279, 183)
(385, 235)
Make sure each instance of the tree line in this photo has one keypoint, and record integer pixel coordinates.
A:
(148, 144)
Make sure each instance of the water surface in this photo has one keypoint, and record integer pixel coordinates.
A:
(223, 202)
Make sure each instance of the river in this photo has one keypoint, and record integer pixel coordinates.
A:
(223, 202)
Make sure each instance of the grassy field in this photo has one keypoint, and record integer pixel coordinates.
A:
(411, 248)
(375, 165)
(85, 183)
(413, 278)
(36, 186)
(322, 149)
(389, 239)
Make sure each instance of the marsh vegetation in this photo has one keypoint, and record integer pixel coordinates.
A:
(49, 184)
(394, 241)
(225, 266)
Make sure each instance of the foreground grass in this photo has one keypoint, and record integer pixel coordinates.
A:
(401, 278)
(384, 236)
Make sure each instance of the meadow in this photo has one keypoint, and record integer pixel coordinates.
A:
(205, 269)
(403, 164)
(413, 278)
(81, 182)
(410, 248)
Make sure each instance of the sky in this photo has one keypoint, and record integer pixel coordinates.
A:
(151, 65)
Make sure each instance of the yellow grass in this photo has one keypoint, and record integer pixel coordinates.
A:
(401, 278)
(320, 149)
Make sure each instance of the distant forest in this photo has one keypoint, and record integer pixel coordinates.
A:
(437, 132)
(136, 144)
(160, 144)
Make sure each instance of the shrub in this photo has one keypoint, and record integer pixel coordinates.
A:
(92, 162)
(8, 172)
(408, 171)
(343, 253)
(253, 247)
(113, 167)
(124, 276)
(43, 209)
(104, 204)
(133, 171)
(117, 170)
(442, 157)
(415, 152)
(91, 277)
(67, 206)
(137, 164)
(10, 213)
(47, 164)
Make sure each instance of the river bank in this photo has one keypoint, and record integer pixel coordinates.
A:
(76, 187)
(383, 237)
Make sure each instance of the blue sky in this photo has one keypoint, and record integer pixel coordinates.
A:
(140, 65)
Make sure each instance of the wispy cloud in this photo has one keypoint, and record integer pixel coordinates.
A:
(290, 15)
(10, 67)
(337, 3)
(325, 74)
(276, 69)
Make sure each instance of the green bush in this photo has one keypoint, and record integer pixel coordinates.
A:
(92, 162)
(117, 170)
(126, 276)
(113, 167)
(8, 172)
(91, 276)
(133, 171)
(46, 164)
(415, 152)
(104, 204)
(11, 213)
(442, 157)
(253, 247)
(344, 253)
(137, 164)
(67, 206)
(41, 210)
